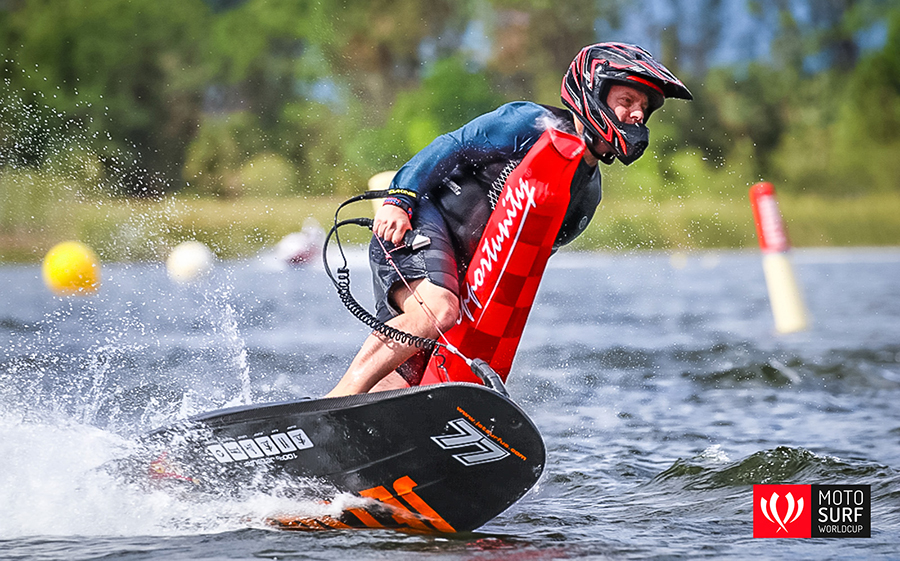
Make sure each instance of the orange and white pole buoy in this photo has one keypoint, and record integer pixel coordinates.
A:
(784, 293)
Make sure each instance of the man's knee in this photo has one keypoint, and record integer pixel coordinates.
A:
(441, 303)
(446, 311)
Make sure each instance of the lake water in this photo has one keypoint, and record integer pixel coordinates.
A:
(661, 390)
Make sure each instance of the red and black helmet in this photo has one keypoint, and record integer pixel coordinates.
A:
(586, 85)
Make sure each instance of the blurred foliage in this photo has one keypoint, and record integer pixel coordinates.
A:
(419, 115)
(266, 98)
(224, 143)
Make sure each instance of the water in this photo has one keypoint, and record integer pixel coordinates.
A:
(658, 384)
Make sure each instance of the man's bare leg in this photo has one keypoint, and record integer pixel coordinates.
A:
(393, 381)
(379, 355)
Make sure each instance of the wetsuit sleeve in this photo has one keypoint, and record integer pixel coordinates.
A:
(505, 132)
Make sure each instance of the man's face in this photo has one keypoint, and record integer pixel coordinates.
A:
(629, 105)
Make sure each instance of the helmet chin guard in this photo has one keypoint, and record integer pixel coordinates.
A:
(628, 142)
(586, 86)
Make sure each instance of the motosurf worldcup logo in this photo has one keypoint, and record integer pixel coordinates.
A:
(817, 511)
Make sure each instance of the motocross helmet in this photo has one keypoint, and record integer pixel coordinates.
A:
(586, 85)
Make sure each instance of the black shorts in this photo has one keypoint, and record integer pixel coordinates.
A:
(437, 262)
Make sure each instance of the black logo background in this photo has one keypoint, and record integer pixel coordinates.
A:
(829, 502)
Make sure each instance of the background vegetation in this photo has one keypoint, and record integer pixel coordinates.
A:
(135, 125)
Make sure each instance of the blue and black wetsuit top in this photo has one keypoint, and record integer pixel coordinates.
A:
(462, 172)
(451, 187)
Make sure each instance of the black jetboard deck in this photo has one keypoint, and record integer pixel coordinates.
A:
(446, 458)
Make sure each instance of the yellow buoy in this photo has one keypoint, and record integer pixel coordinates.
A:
(71, 268)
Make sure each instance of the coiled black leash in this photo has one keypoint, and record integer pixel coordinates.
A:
(341, 278)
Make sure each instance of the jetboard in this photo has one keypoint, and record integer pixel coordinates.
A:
(439, 458)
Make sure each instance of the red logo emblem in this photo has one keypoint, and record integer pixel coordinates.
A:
(782, 511)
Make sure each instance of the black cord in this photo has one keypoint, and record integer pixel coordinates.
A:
(342, 281)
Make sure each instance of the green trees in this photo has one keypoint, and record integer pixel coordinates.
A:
(128, 74)
(238, 98)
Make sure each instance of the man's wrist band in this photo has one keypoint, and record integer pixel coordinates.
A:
(394, 201)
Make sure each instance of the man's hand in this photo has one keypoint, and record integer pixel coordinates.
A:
(391, 222)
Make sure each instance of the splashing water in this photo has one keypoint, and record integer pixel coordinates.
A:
(54, 483)
(238, 348)
(77, 384)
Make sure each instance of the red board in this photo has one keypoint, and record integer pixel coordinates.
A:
(505, 272)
